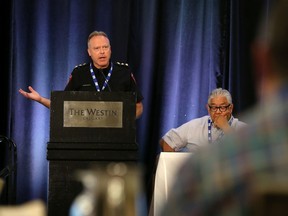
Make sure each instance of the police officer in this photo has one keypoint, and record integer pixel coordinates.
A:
(99, 75)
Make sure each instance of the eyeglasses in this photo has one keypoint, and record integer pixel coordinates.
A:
(221, 108)
(103, 48)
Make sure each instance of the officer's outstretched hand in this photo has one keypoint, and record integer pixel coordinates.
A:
(32, 95)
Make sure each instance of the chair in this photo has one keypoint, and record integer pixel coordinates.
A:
(8, 171)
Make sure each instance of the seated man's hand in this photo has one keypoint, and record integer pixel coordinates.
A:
(222, 123)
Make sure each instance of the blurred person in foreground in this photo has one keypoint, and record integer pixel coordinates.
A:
(206, 129)
(100, 75)
(231, 178)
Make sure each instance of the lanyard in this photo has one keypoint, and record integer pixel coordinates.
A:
(210, 131)
(106, 78)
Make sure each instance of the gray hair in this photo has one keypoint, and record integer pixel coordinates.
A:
(220, 92)
(96, 33)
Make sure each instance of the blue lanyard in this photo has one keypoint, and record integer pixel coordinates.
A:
(106, 78)
(210, 131)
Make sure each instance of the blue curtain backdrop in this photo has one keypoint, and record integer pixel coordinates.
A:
(179, 51)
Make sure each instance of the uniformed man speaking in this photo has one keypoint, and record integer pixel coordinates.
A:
(101, 74)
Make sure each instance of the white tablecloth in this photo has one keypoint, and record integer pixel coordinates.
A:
(166, 173)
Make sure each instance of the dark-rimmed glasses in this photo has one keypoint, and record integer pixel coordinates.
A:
(221, 108)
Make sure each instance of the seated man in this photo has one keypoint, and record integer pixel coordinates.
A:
(204, 130)
(247, 173)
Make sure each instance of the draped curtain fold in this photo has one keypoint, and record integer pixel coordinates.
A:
(178, 50)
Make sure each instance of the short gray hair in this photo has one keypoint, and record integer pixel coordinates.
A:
(96, 33)
(220, 92)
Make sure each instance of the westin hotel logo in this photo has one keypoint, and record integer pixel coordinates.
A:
(93, 114)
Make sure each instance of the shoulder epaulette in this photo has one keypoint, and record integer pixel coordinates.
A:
(122, 64)
(80, 65)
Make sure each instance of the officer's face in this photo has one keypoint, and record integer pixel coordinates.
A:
(100, 51)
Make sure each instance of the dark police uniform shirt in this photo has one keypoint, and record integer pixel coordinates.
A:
(121, 79)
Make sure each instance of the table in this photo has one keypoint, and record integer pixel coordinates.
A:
(167, 167)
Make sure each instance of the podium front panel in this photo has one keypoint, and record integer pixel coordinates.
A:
(81, 116)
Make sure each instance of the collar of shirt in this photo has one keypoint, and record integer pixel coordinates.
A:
(105, 71)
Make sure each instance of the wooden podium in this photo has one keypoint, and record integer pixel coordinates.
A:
(86, 129)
